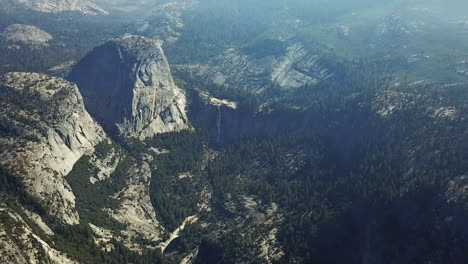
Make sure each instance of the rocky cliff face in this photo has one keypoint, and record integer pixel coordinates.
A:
(127, 84)
(20, 244)
(44, 130)
(292, 67)
(136, 210)
(57, 6)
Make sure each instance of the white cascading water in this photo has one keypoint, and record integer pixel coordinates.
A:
(219, 122)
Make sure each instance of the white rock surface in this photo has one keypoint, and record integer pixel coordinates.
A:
(37, 219)
(57, 6)
(127, 84)
(298, 68)
(218, 102)
(105, 166)
(136, 210)
(26, 34)
(47, 131)
(176, 233)
(270, 248)
(295, 67)
(103, 236)
(446, 112)
(18, 243)
(457, 189)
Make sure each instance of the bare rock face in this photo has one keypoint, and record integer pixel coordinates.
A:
(26, 34)
(57, 6)
(19, 243)
(44, 130)
(291, 67)
(298, 68)
(126, 84)
(164, 23)
(136, 210)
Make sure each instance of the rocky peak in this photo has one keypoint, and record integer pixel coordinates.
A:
(127, 84)
(44, 130)
(57, 6)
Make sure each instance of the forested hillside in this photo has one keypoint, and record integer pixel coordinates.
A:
(274, 132)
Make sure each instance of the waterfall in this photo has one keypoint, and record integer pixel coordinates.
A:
(219, 122)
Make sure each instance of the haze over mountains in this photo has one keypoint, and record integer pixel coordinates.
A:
(233, 131)
(57, 6)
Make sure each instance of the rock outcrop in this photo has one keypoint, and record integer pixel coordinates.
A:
(165, 22)
(136, 210)
(127, 84)
(19, 243)
(298, 68)
(26, 34)
(44, 130)
(292, 67)
(57, 6)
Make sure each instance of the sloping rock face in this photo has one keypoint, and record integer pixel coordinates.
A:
(298, 68)
(44, 130)
(26, 34)
(19, 243)
(136, 210)
(292, 67)
(57, 6)
(127, 84)
(165, 22)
